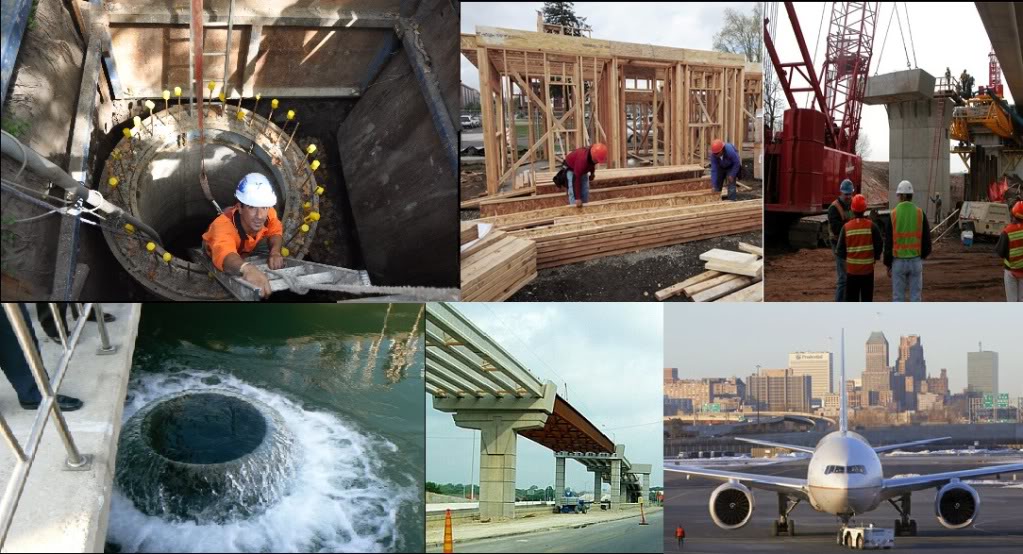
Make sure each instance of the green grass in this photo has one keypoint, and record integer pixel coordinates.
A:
(16, 127)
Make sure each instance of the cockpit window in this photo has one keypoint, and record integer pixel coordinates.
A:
(844, 469)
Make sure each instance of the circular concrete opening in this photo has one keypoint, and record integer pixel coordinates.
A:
(158, 170)
(205, 456)
(175, 206)
(205, 428)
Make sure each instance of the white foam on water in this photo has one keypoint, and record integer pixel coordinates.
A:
(339, 500)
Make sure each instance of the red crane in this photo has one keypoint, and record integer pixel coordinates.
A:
(816, 148)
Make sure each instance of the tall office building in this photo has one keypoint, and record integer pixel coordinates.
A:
(982, 372)
(670, 375)
(779, 390)
(877, 377)
(911, 369)
(819, 366)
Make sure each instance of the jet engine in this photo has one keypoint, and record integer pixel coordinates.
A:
(731, 505)
(956, 505)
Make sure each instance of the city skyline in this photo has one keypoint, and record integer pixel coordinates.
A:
(945, 345)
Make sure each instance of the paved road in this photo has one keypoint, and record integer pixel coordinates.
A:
(996, 530)
(624, 535)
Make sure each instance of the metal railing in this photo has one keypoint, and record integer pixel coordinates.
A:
(48, 388)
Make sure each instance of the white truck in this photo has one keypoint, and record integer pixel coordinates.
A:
(869, 537)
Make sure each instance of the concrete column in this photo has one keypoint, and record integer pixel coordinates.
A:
(616, 484)
(498, 438)
(597, 484)
(559, 480)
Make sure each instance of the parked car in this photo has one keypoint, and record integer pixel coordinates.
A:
(466, 122)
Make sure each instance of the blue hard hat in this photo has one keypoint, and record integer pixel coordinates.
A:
(847, 187)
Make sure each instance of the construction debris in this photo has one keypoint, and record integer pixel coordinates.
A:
(730, 277)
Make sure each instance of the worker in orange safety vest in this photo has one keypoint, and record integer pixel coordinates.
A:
(860, 244)
(1010, 249)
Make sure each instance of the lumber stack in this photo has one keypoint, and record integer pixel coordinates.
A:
(730, 277)
(607, 178)
(496, 265)
(491, 208)
(605, 234)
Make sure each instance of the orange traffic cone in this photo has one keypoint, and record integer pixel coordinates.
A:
(449, 543)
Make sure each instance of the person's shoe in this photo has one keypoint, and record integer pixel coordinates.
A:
(107, 318)
(66, 403)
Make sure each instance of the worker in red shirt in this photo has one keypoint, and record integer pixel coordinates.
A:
(1010, 249)
(680, 536)
(249, 227)
(581, 164)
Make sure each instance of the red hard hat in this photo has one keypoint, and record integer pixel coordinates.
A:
(859, 203)
(1017, 210)
(599, 152)
(717, 146)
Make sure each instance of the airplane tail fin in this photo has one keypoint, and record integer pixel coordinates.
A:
(843, 424)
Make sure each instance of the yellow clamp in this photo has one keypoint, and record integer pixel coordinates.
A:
(304, 228)
(129, 228)
(307, 206)
(150, 246)
(177, 91)
(310, 149)
(212, 85)
(167, 257)
(137, 121)
(166, 95)
(222, 97)
(240, 115)
(319, 191)
(112, 182)
(258, 96)
(313, 216)
(274, 103)
(285, 252)
(128, 132)
(291, 115)
(149, 104)
(315, 165)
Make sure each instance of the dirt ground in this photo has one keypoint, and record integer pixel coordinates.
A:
(629, 277)
(473, 180)
(952, 273)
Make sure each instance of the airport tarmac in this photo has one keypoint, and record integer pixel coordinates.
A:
(997, 528)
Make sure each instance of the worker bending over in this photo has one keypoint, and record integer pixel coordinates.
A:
(1010, 249)
(838, 215)
(249, 227)
(907, 244)
(724, 167)
(859, 243)
(582, 165)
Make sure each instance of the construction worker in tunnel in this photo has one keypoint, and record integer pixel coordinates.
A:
(839, 213)
(907, 243)
(249, 227)
(860, 243)
(725, 167)
(581, 164)
(1010, 249)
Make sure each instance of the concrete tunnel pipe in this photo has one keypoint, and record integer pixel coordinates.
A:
(157, 172)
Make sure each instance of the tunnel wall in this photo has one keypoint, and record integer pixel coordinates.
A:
(397, 176)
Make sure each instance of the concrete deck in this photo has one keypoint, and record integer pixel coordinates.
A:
(66, 511)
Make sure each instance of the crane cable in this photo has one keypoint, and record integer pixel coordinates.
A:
(908, 26)
(898, 19)
(877, 67)
(816, 45)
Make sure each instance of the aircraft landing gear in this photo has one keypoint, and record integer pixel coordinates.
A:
(784, 525)
(904, 526)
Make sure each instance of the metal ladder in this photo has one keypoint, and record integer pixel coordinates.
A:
(301, 272)
(194, 33)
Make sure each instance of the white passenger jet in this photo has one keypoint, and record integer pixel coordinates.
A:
(844, 478)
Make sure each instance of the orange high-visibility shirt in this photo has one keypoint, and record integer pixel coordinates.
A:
(224, 235)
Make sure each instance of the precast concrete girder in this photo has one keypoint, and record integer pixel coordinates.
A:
(471, 338)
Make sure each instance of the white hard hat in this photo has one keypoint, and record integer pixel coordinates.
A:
(255, 190)
(905, 187)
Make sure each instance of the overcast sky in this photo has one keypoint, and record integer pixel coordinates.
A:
(722, 340)
(948, 34)
(610, 357)
(682, 24)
